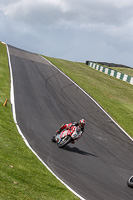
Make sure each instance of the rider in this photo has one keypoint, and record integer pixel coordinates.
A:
(79, 124)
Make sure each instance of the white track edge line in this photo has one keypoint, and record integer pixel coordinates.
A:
(20, 132)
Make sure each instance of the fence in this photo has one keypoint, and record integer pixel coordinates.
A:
(111, 72)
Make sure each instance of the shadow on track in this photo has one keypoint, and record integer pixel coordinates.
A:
(76, 150)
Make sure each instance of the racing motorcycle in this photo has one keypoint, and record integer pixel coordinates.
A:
(130, 182)
(67, 136)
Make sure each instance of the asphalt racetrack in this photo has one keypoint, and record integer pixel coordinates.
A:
(98, 165)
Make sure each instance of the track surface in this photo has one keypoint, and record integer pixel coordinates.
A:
(98, 165)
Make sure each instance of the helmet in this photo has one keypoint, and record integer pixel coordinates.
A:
(82, 122)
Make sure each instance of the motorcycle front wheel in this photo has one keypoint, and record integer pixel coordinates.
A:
(64, 141)
(130, 182)
(53, 139)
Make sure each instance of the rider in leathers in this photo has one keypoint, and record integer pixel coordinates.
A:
(79, 125)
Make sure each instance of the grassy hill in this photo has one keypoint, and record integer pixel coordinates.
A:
(22, 175)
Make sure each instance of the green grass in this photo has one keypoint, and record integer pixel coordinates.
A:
(22, 175)
(114, 95)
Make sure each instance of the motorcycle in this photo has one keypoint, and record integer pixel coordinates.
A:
(67, 136)
(130, 182)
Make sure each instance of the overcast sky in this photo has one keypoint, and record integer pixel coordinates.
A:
(75, 30)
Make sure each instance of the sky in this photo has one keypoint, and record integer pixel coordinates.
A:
(74, 30)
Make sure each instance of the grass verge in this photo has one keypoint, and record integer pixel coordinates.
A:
(22, 175)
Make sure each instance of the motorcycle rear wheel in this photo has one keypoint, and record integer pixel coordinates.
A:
(130, 182)
(64, 141)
